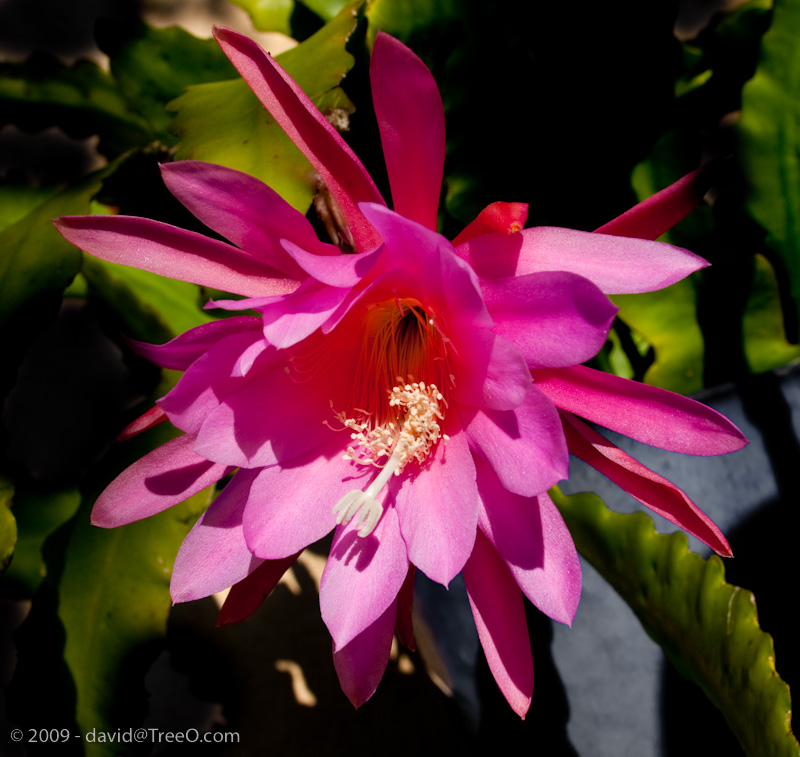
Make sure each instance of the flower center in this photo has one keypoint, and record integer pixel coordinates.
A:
(396, 416)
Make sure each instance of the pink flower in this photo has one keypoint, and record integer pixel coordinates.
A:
(388, 395)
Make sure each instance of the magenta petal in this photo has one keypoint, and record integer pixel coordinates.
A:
(411, 122)
(336, 270)
(214, 554)
(531, 537)
(499, 614)
(173, 252)
(437, 503)
(554, 319)
(166, 476)
(291, 505)
(246, 596)
(658, 214)
(184, 349)
(244, 210)
(617, 265)
(652, 490)
(524, 446)
(336, 163)
(645, 413)
(361, 664)
(504, 217)
(362, 577)
(147, 420)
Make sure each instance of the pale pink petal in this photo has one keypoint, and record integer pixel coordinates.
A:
(245, 211)
(411, 122)
(291, 505)
(617, 265)
(531, 537)
(652, 490)
(336, 163)
(361, 664)
(300, 314)
(658, 214)
(336, 270)
(184, 349)
(499, 614)
(362, 577)
(208, 380)
(645, 413)
(524, 446)
(246, 596)
(214, 554)
(437, 502)
(554, 319)
(152, 417)
(173, 252)
(164, 477)
(503, 217)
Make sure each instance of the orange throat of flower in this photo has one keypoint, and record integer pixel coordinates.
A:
(398, 400)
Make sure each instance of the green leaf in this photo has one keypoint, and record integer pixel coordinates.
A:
(769, 132)
(401, 19)
(765, 343)
(268, 15)
(8, 525)
(38, 515)
(17, 200)
(223, 122)
(708, 628)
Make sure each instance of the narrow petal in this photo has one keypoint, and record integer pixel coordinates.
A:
(362, 577)
(361, 664)
(246, 596)
(658, 214)
(437, 503)
(645, 413)
(617, 265)
(184, 349)
(214, 554)
(152, 417)
(554, 319)
(291, 505)
(166, 476)
(503, 217)
(411, 122)
(340, 169)
(652, 490)
(531, 537)
(524, 446)
(173, 252)
(245, 211)
(499, 614)
(336, 270)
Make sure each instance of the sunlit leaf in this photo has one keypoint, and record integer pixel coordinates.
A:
(707, 627)
(223, 122)
(268, 15)
(17, 200)
(769, 132)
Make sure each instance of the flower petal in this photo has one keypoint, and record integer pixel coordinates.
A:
(340, 169)
(554, 319)
(291, 505)
(147, 420)
(411, 122)
(617, 265)
(362, 577)
(245, 211)
(173, 252)
(246, 596)
(645, 413)
(214, 554)
(658, 214)
(652, 490)
(503, 217)
(361, 664)
(524, 446)
(437, 503)
(184, 349)
(499, 614)
(165, 477)
(531, 537)
(336, 270)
